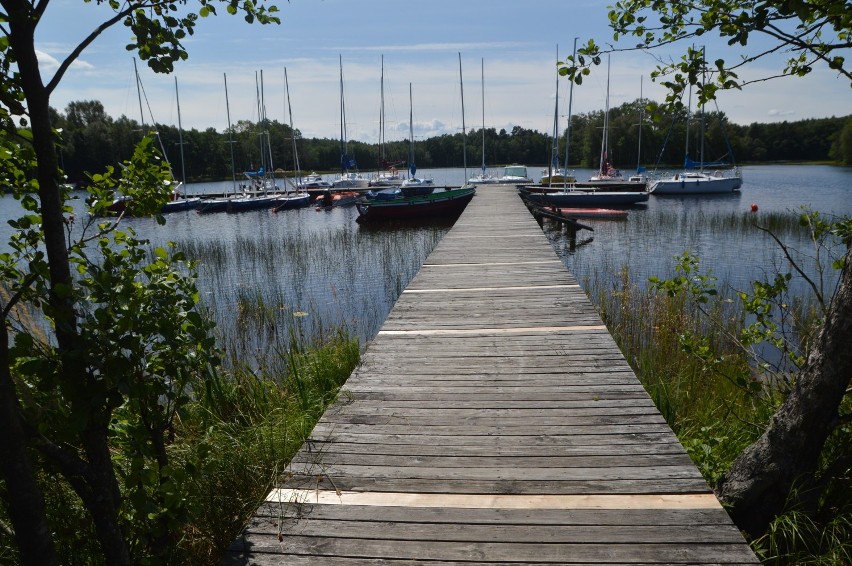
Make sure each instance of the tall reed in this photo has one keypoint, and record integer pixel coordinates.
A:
(717, 400)
(243, 429)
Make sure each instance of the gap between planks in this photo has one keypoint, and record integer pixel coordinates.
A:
(494, 501)
(494, 263)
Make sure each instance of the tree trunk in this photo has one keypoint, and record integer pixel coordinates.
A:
(104, 497)
(101, 477)
(22, 494)
(760, 480)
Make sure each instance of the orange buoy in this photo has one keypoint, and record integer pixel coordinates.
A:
(754, 207)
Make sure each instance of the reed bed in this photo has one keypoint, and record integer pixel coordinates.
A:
(263, 289)
(711, 391)
(291, 318)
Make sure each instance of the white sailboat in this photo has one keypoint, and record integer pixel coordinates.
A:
(694, 179)
(388, 175)
(484, 177)
(607, 172)
(261, 191)
(554, 175)
(349, 177)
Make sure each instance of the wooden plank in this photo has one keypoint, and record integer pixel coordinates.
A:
(630, 514)
(544, 553)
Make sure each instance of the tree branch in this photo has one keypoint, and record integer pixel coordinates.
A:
(817, 291)
(63, 67)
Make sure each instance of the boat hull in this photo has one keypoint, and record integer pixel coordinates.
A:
(695, 184)
(580, 198)
(251, 203)
(437, 204)
(290, 202)
(181, 205)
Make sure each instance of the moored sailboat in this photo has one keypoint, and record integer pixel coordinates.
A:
(554, 175)
(349, 177)
(484, 177)
(444, 203)
(724, 177)
(414, 185)
(298, 198)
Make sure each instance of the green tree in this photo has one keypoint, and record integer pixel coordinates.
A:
(759, 482)
(97, 343)
(841, 150)
(812, 32)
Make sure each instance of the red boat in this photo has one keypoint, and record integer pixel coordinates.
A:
(590, 212)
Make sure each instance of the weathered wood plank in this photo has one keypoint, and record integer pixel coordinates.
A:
(341, 461)
(319, 480)
(541, 441)
(543, 552)
(715, 516)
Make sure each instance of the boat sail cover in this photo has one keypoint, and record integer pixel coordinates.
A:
(347, 162)
(690, 164)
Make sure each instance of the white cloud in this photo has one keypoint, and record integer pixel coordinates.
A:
(51, 63)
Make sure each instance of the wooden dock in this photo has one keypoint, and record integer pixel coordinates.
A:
(493, 420)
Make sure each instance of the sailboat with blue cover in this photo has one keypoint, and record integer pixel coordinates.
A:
(349, 177)
(695, 178)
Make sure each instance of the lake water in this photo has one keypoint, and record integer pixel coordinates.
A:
(314, 271)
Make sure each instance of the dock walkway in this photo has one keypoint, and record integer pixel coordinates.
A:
(493, 420)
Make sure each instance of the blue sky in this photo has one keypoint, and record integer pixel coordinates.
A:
(420, 43)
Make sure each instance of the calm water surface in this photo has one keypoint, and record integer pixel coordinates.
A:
(669, 225)
(318, 270)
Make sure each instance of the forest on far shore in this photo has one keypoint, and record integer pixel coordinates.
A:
(92, 140)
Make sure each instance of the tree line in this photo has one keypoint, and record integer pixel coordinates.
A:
(91, 140)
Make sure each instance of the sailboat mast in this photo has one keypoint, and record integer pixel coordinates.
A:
(139, 93)
(604, 139)
(270, 170)
(703, 80)
(570, 101)
(410, 132)
(230, 136)
(554, 153)
(483, 116)
(641, 119)
(382, 113)
(257, 107)
(464, 129)
(688, 117)
(343, 156)
(180, 138)
(296, 168)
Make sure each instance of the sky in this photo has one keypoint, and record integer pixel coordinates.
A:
(517, 43)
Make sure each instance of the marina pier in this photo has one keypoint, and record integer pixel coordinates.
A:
(493, 420)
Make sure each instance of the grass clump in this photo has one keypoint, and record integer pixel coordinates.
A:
(244, 427)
